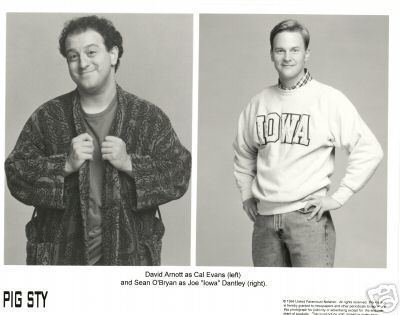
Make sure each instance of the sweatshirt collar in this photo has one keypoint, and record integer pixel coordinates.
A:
(303, 81)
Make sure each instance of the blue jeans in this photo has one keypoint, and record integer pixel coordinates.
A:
(290, 240)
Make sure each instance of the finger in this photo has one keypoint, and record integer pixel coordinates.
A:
(81, 151)
(309, 205)
(320, 214)
(87, 150)
(254, 212)
(80, 142)
(108, 157)
(250, 217)
(107, 144)
(82, 137)
(85, 156)
(247, 209)
(250, 214)
(107, 150)
(112, 139)
(253, 209)
(314, 213)
(83, 144)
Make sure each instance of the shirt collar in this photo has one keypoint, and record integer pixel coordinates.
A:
(303, 81)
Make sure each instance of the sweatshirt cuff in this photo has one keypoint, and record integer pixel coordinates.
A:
(246, 194)
(342, 195)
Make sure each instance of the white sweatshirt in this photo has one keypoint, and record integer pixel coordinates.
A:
(284, 149)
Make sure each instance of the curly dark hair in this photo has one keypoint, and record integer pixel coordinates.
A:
(101, 25)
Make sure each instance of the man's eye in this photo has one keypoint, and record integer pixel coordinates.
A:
(279, 51)
(72, 57)
(92, 52)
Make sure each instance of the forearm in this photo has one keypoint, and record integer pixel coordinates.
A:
(158, 181)
(37, 182)
(245, 170)
(365, 153)
(362, 164)
(244, 182)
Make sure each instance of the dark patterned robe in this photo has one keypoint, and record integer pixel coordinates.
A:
(57, 233)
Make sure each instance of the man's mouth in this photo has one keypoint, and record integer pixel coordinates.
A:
(85, 72)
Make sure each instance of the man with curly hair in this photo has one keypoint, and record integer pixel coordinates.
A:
(96, 162)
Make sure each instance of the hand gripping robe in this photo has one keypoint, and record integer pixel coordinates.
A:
(57, 233)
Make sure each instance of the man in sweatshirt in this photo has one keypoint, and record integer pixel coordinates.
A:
(284, 157)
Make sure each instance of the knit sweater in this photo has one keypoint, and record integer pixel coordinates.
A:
(131, 234)
(284, 149)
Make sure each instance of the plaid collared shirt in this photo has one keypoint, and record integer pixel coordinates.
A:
(303, 81)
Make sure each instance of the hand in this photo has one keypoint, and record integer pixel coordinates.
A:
(81, 149)
(113, 149)
(250, 207)
(320, 205)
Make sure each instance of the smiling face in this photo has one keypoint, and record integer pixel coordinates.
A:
(90, 64)
(289, 56)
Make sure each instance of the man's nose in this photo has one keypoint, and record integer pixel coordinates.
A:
(83, 61)
(287, 55)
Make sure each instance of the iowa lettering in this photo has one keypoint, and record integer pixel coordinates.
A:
(290, 128)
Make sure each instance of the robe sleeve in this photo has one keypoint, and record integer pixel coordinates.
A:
(162, 175)
(33, 177)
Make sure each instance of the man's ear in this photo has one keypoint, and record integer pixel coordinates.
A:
(114, 55)
(307, 54)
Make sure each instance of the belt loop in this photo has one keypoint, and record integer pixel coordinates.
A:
(280, 222)
(277, 222)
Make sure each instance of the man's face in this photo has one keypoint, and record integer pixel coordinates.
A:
(90, 63)
(289, 56)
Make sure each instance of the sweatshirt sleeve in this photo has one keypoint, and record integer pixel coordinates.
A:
(245, 154)
(162, 175)
(33, 177)
(365, 153)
